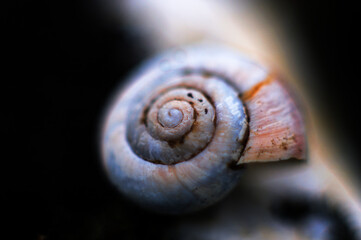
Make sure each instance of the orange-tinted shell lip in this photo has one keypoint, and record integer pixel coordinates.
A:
(277, 129)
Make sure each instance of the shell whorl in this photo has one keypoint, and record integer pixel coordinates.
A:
(174, 135)
(207, 109)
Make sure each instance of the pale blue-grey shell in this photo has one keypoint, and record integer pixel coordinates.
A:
(174, 134)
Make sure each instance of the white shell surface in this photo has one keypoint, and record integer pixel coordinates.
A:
(199, 169)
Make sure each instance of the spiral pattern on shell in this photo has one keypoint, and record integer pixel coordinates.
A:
(175, 135)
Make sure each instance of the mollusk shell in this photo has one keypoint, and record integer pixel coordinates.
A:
(174, 136)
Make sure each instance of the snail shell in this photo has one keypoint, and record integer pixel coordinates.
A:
(175, 136)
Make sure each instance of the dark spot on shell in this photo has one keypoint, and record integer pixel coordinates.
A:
(190, 95)
(284, 146)
(200, 100)
(206, 110)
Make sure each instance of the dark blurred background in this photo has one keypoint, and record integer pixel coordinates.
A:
(61, 62)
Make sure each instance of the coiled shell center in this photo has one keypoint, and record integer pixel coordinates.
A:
(170, 117)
